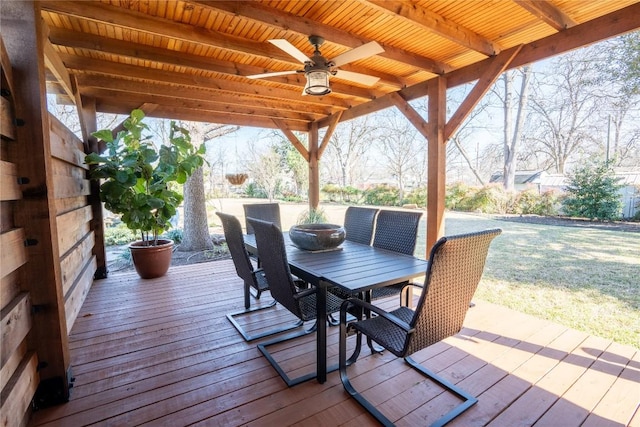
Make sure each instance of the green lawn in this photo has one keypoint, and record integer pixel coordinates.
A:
(585, 278)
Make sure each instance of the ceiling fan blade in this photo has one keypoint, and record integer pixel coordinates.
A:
(290, 49)
(360, 52)
(356, 77)
(274, 74)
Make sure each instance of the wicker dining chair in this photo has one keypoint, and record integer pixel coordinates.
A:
(395, 231)
(359, 223)
(455, 267)
(254, 279)
(265, 211)
(299, 301)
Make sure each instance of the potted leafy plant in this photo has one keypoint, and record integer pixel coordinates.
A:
(137, 177)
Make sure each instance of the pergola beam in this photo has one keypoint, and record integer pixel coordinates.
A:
(292, 138)
(142, 22)
(327, 136)
(436, 161)
(54, 64)
(139, 52)
(292, 23)
(132, 71)
(613, 24)
(491, 73)
(437, 24)
(411, 114)
(86, 107)
(548, 13)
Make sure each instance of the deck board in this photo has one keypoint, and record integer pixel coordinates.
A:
(161, 352)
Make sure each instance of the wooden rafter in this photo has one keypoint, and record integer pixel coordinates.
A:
(144, 23)
(618, 22)
(54, 64)
(87, 115)
(548, 13)
(289, 22)
(615, 23)
(132, 71)
(138, 51)
(437, 24)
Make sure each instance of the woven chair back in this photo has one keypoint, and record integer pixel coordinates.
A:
(235, 243)
(359, 222)
(455, 267)
(273, 256)
(397, 231)
(269, 212)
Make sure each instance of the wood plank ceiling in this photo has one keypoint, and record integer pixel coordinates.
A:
(189, 59)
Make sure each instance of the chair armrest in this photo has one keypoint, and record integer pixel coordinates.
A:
(304, 293)
(417, 285)
(380, 312)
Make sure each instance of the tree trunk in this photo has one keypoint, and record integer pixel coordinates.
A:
(196, 229)
(508, 171)
(511, 141)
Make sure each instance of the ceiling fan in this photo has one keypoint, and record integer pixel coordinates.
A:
(318, 69)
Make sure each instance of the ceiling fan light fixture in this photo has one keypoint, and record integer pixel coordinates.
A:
(317, 82)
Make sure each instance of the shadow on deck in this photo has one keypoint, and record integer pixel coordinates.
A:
(161, 352)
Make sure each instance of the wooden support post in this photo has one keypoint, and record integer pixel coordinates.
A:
(436, 170)
(36, 211)
(88, 124)
(314, 169)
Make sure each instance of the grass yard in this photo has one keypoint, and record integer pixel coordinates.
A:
(585, 278)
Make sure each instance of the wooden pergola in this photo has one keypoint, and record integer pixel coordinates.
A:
(190, 60)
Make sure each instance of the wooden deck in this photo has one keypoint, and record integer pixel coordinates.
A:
(161, 352)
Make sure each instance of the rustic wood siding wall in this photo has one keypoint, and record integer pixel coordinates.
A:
(18, 372)
(73, 215)
(46, 260)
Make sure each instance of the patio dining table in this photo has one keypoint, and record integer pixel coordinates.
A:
(353, 267)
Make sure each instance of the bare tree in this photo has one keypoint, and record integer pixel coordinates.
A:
(266, 169)
(619, 84)
(399, 147)
(512, 131)
(621, 144)
(564, 103)
(349, 149)
(464, 146)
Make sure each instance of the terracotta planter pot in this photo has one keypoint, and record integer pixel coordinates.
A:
(152, 261)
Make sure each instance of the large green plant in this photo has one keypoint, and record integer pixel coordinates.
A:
(137, 174)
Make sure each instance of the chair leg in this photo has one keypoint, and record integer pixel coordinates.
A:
(289, 381)
(332, 321)
(344, 377)
(468, 399)
(247, 336)
(372, 346)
